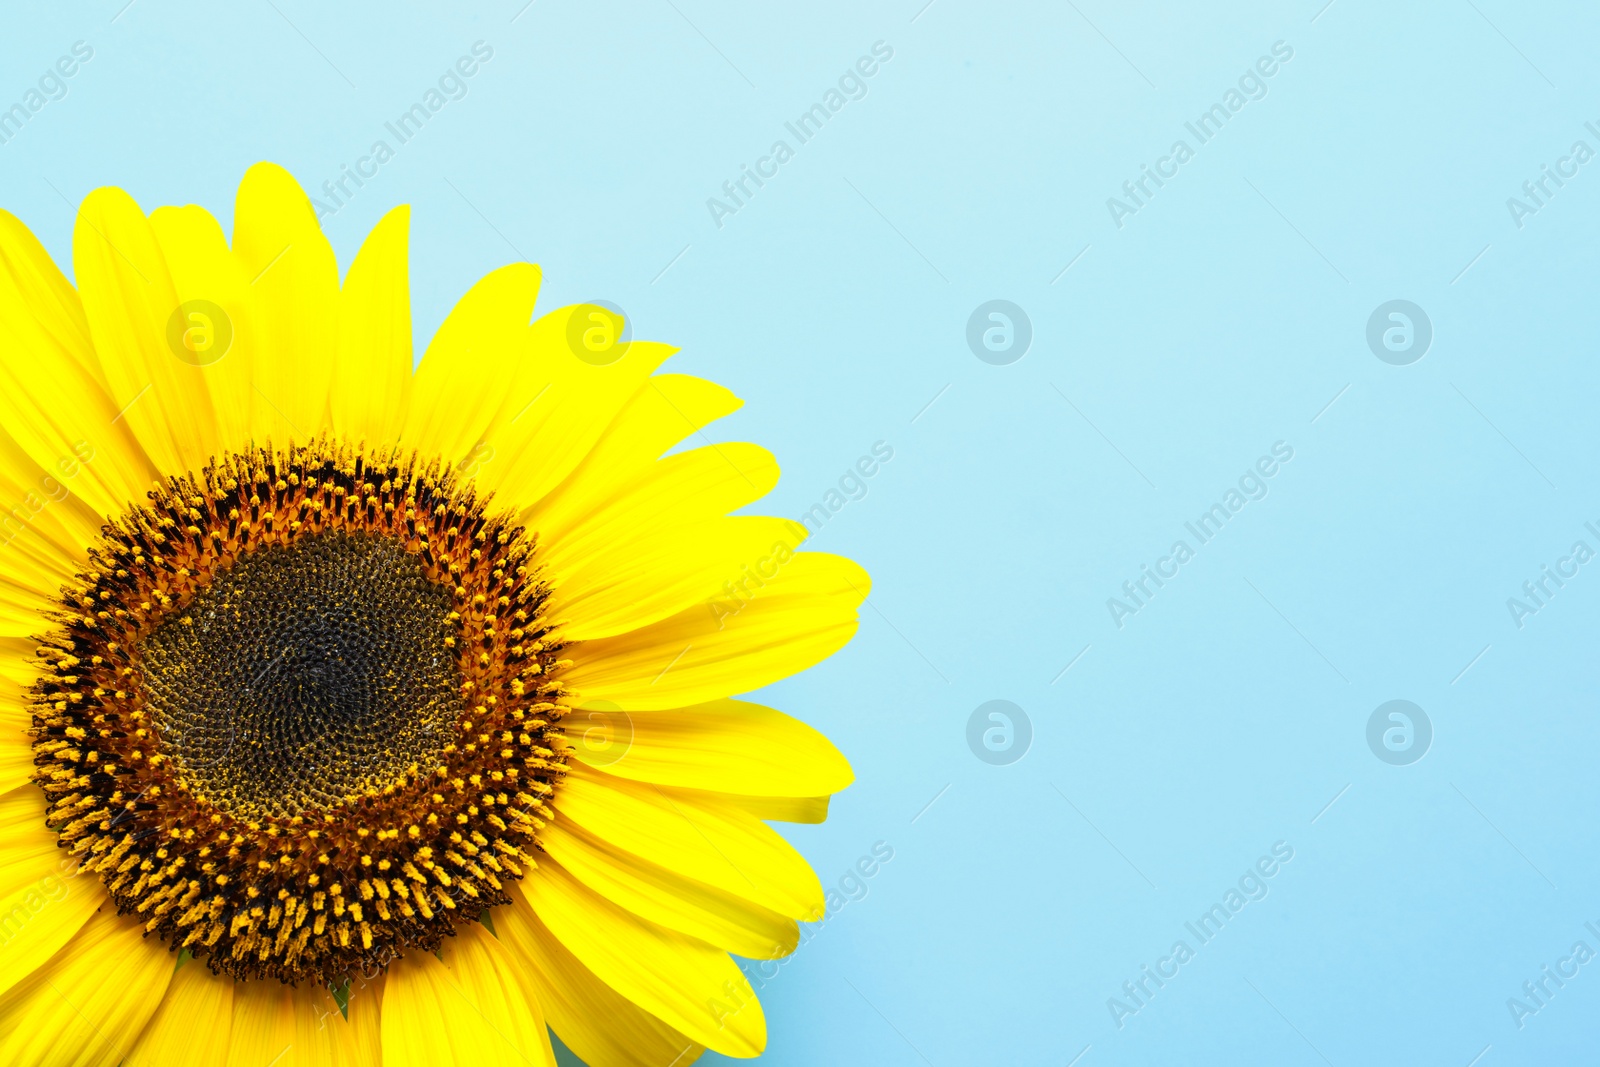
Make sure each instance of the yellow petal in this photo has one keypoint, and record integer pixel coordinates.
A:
(463, 381)
(644, 578)
(16, 747)
(775, 809)
(687, 984)
(803, 614)
(694, 486)
(88, 1004)
(53, 398)
(652, 892)
(41, 916)
(600, 1025)
(20, 601)
(727, 746)
(292, 270)
(129, 301)
(707, 840)
(17, 672)
(372, 372)
(44, 900)
(468, 1010)
(44, 537)
(286, 1026)
(559, 407)
(22, 829)
(17, 661)
(23, 599)
(663, 411)
(219, 316)
(360, 1044)
(192, 1026)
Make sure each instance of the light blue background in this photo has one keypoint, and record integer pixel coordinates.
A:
(1223, 317)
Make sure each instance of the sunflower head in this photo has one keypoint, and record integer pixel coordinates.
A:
(323, 668)
(321, 685)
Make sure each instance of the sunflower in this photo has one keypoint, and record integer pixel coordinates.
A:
(360, 714)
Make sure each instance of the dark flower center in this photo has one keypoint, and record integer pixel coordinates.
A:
(301, 714)
(305, 676)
